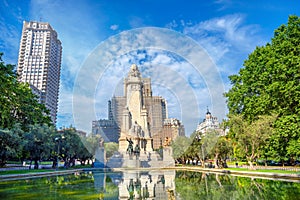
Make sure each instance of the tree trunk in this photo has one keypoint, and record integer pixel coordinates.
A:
(251, 164)
(54, 164)
(73, 162)
(30, 163)
(224, 163)
(218, 181)
(216, 160)
(36, 164)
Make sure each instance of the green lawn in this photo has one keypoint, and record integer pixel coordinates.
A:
(28, 162)
(265, 170)
(24, 171)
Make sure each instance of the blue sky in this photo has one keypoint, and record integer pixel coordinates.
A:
(226, 30)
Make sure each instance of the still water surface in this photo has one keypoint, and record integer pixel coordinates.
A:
(148, 185)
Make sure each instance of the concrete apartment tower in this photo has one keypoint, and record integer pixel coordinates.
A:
(40, 62)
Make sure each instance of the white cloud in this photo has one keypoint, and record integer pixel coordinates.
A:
(228, 29)
(9, 41)
(172, 25)
(10, 33)
(114, 27)
(224, 4)
(228, 40)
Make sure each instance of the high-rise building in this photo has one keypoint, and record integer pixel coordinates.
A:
(40, 62)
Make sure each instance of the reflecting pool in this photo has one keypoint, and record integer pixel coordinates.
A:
(164, 184)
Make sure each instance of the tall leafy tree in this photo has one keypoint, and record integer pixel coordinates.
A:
(110, 149)
(221, 151)
(72, 146)
(269, 83)
(10, 144)
(39, 144)
(17, 103)
(250, 139)
(83, 153)
(180, 146)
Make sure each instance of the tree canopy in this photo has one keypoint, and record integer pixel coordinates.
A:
(270, 80)
(269, 84)
(17, 102)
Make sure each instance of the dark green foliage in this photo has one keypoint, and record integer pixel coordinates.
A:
(18, 105)
(270, 80)
(38, 143)
(269, 84)
(10, 144)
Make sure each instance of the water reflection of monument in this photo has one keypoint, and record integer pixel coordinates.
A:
(147, 185)
(141, 117)
(136, 184)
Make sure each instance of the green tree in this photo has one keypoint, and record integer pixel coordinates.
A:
(180, 145)
(17, 103)
(10, 144)
(72, 146)
(250, 138)
(110, 149)
(83, 153)
(39, 143)
(92, 142)
(269, 83)
(69, 146)
(221, 151)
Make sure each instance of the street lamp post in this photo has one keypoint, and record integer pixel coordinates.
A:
(57, 158)
(58, 139)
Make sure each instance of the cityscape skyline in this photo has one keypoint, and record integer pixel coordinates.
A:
(227, 30)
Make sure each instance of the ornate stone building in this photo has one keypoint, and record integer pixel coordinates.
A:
(138, 112)
(210, 123)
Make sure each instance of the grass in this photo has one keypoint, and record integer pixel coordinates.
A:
(27, 171)
(265, 170)
(24, 171)
(276, 171)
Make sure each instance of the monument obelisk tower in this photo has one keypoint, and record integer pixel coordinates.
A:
(135, 126)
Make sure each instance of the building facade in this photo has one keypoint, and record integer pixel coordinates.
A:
(210, 123)
(39, 62)
(138, 108)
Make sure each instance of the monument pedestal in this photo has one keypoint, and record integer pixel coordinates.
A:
(168, 156)
(100, 158)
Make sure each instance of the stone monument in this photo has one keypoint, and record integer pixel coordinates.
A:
(168, 153)
(135, 124)
(135, 142)
(100, 155)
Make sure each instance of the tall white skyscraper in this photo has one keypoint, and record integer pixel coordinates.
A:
(40, 62)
